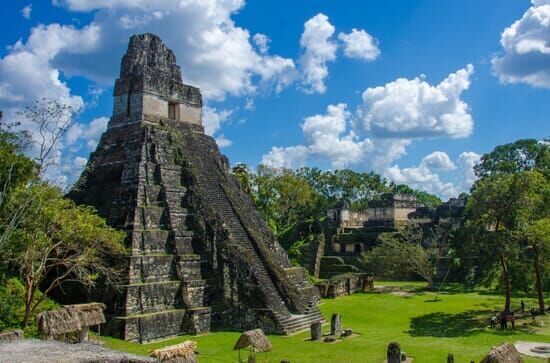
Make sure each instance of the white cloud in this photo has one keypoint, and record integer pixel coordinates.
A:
(438, 160)
(287, 157)
(391, 118)
(466, 163)
(249, 105)
(360, 45)
(262, 42)
(415, 109)
(26, 11)
(318, 49)
(213, 52)
(326, 138)
(80, 162)
(424, 177)
(212, 119)
(88, 134)
(28, 71)
(526, 46)
(222, 141)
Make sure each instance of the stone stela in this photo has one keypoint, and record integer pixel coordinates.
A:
(200, 255)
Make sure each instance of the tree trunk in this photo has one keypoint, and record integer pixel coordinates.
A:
(506, 284)
(538, 279)
(28, 303)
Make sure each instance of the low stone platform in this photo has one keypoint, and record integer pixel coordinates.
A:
(38, 351)
(530, 349)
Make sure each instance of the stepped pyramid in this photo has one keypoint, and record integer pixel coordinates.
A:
(201, 257)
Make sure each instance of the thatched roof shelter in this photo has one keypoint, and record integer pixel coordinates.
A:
(181, 353)
(70, 318)
(254, 340)
(504, 353)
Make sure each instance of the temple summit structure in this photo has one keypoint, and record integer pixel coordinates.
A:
(200, 255)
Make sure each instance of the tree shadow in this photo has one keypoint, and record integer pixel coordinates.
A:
(441, 324)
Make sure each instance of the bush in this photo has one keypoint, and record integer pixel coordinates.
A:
(12, 307)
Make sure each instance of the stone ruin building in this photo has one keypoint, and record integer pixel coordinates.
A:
(351, 233)
(201, 256)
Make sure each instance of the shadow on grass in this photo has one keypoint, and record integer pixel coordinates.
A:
(441, 324)
(467, 323)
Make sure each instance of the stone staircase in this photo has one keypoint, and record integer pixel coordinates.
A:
(212, 182)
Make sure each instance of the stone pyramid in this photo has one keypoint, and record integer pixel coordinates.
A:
(201, 257)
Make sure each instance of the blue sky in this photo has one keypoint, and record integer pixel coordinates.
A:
(415, 90)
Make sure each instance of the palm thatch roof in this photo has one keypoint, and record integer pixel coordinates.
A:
(504, 353)
(182, 353)
(70, 318)
(255, 339)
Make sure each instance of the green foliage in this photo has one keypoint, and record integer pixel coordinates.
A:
(57, 240)
(12, 306)
(15, 167)
(429, 200)
(500, 210)
(400, 256)
(285, 197)
(345, 184)
(516, 157)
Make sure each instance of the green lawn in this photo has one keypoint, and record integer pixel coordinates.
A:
(426, 329)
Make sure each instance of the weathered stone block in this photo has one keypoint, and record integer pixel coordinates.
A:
(335, 324)
(316, 330)
(394, 353)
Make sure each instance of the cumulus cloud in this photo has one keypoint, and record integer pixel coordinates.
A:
(526, 45)
(327, 138)
(360, 45)
(28, 71)
(26, 11)
(222, 141)
(214, 53)
(212, 119)
(81, 134)
(423, 177)
(317, 49)
(291, 157)
(416, 109)
(438, 160)
(427, 175)
(390, 119)
(466, 162)
(262, 42)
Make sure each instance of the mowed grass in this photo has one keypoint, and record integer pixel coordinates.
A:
(426, 329)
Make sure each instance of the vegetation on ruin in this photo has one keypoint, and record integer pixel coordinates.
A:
(427, 329)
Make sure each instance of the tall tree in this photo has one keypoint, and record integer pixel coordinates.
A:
(538, 235)
(504, 206)
(519, 156)
(57, 241)
(489, 207)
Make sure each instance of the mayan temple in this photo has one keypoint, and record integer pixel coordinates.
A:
(201, 257)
